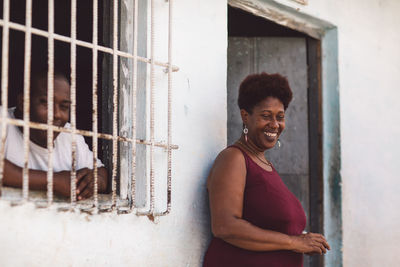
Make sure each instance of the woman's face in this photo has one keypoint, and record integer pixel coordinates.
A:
(265, 123)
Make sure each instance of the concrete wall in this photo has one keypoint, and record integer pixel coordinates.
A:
(31, 237)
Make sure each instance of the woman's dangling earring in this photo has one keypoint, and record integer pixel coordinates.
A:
(279, 143)
(245, 131)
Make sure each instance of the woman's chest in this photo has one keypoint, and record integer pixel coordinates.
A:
(269, 204)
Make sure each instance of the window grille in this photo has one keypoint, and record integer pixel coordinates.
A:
(116, 137)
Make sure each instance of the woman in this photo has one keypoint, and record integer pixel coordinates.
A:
(255, 219)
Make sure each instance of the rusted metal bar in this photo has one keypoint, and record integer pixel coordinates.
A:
(115, 104)
(169, 166)
(169, 155)
(58, 37)
(42, 126)
(27, 72)
(132, 194)
(152, 95)
(94, 93)
(50, 103)
(4, 85)
(73, 101)
(134, 99)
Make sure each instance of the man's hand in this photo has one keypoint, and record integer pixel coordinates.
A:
(62, 181)
(84, 182)
(85, 185)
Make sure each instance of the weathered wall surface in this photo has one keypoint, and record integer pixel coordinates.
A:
(369, 75)
(31, 237)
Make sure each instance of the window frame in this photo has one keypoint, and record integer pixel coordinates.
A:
(119, 137)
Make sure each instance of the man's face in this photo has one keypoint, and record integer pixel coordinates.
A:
(38, 107)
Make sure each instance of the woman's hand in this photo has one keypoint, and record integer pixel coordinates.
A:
(310, 243)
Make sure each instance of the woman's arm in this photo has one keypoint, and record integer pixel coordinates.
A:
(226, 184)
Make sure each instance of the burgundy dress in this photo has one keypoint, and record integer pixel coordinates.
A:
(268, 204)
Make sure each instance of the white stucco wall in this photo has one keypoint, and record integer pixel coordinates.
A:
(369, 75)
(31, 237)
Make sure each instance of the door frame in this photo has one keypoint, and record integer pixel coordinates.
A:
(325, 138)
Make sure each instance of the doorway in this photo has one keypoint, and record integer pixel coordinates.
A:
(258, 45)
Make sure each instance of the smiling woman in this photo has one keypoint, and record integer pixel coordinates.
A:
(255, 219)
(268, 107)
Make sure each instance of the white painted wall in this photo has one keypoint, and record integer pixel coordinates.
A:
(369, 69)
(369, 74)
(31, 237)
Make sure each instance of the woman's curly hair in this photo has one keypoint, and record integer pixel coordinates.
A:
(256, 87)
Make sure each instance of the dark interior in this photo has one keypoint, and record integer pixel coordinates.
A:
(242, 23)
(62, 26)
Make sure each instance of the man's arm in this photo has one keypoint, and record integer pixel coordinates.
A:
(38, 179)
(13, 177)
(85, 187)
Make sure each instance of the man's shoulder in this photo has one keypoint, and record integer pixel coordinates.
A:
(65, 138)
(10, 112)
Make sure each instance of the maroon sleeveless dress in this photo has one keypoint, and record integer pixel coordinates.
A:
(268, 204)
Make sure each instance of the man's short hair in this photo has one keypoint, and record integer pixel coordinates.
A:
(41, 73)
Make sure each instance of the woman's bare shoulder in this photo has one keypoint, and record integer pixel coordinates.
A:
(232, 153)
(229, 162)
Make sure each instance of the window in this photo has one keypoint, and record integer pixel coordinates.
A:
(108, 47)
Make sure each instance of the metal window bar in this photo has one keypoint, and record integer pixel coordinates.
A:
(27, 70)
(115, 105)
(50, 105)
(73, 102)
(66, 39)
(4, 84)
(42, 126)
(169, 156)
(134, 98)
(94, 113)
(116, 53)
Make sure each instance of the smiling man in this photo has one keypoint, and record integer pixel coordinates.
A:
(38, 152)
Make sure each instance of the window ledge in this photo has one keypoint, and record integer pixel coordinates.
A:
(39, 198)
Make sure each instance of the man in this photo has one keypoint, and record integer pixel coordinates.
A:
(38, 153)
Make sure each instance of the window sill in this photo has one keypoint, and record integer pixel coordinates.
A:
(39, 198)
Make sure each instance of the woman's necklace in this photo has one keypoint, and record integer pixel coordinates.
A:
(252, 151)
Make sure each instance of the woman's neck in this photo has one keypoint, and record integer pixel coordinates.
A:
(251, 145)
